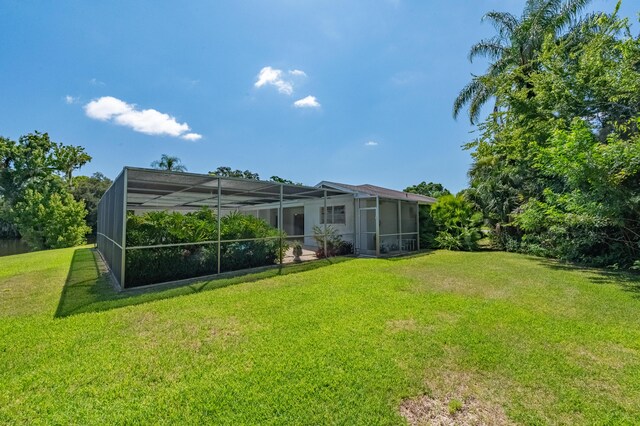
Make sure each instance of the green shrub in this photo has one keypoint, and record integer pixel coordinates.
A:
(336, 246)
(249, 254)
(146, 266)
(457, 223)
(51, 219)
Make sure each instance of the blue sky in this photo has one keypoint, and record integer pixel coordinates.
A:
(216, 83)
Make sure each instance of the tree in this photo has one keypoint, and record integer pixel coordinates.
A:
(557, 173)
(90, 189)
(69, 158)
(282, 180)
(430, 189)
(34, 197)
(169, 163)
(51, 219)
(224, 171)
(515, 46)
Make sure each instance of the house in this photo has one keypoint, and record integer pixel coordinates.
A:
(374, 220)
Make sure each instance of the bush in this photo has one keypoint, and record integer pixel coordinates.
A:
(249, 254)
(51, 219)
(457, 223)
(152, 265)
(336, 246)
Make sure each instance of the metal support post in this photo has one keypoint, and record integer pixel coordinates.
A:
(280, 223)
(123, 259)
(418, 225)
(399, 226)
(377, 226)
(325, 225)
(218, 216)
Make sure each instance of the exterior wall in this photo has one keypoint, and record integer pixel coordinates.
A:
(312, 217)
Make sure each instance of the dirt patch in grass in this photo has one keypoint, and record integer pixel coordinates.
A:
(425, 410)
(456, 398)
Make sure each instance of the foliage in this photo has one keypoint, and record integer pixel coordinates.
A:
(8, 230)
(33, 194)
(90, 189)
(224, 171)
(428, 228)
(69, 158)
(145, 266)
(51, 219)
(430, 189)
(555, 170)
(516, 46)
(169, 163)
(336, 246)
(278, 179)
(249, 254)
(457, 223)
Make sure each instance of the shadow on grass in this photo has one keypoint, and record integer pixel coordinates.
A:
(409, 255)
(88, 287)
(628, 281)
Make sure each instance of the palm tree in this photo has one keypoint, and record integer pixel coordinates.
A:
(516, 45)
(167, 162)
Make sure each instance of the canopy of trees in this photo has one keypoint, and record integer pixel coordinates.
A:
(556, 168)
(90, 189)
(35, 177)
(430, 189)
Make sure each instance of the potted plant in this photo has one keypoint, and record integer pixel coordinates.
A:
(297, 251)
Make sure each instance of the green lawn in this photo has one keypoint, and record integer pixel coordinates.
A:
(331, 342)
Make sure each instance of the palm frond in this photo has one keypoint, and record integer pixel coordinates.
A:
(504, 22)
(490, 48)
(466, 95)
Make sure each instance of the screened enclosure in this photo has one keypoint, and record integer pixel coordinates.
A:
(157, 226)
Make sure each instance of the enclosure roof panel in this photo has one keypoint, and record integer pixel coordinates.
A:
(149, 189)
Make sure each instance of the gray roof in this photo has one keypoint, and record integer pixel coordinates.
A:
(378, 191)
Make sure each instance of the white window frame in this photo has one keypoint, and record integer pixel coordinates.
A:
(331, 216)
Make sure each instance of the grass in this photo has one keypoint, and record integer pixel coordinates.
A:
(329, 342)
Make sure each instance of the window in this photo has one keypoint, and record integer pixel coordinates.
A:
(335, 215)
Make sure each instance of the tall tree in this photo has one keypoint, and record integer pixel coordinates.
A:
(33, 195)
(69, 158)
(169, 163)
(515, 46)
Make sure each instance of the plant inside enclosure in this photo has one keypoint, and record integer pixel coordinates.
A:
(336, 246)
(253, 243)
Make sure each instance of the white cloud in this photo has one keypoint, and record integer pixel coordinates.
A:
(283, 81)
(94, 81)
(71, 99)
(371, 143)
(147, 121)
(106, 108)
(273, 77)
(308, 102)
(191, 136)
